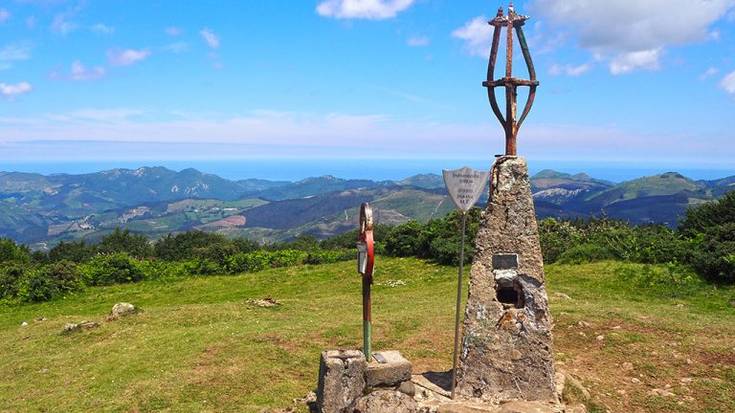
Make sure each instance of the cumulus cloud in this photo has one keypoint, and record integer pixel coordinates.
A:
(632, 34)
(13, 90)
(629, 62)
(4, 15)
(210, 38)
(127, 57)
(80, 72)
(728, 83)
(569, 70)
(101, 28)
(477, 35)
(418, 41)
(362, 9)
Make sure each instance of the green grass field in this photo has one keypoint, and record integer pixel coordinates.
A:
(198, 345)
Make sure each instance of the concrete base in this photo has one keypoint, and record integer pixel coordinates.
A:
(341, 380)
(392, 372)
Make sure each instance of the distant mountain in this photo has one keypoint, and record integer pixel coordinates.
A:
(559, 188)
(426, 181)
(45, 209)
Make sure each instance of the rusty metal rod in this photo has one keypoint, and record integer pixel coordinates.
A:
(458, 307)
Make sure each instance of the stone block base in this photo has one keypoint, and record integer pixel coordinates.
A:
(341, 380)
(387, 369)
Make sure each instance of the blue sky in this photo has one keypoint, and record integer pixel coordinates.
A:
(621, 80)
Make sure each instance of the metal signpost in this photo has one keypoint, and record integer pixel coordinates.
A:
(365, 263)
(465, 186)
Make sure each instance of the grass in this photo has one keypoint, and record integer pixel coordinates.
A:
(199, 345)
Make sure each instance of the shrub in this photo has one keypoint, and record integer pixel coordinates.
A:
(287, 258)
(10, 251)
(182, 247)
(330, 256)
(11, 274)
(118, 268)
(708, 215)
(202, 266)
(124, 241)
(75, 251)
(714, 254)
(585, 253)
(404, 240)
(51, 281)
(248, 262)
(163, 270)
(556, 237)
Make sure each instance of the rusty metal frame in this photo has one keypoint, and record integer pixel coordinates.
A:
(511, 124)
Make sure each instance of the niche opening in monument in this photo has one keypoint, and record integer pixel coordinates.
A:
(510, 295)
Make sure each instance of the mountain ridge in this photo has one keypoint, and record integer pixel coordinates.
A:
(45, 209)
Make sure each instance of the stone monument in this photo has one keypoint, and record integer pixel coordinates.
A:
(507, 346)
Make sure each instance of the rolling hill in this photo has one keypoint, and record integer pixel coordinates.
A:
(44, 209)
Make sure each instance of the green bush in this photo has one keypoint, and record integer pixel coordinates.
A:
(75, 251)
(11, 274)
(714, 254)
(124, 241)
(557, 237)
(203, 266)
(330, 256)
(248, 262)
(585, 253)
(118, 268)
(51, 281)
(405, 240)
(163, 270)
(183, 246)
(287, 258)
(10, 251)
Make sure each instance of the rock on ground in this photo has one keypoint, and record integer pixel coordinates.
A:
(122, 310)
(386, 401)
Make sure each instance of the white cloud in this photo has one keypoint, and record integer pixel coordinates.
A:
(633, 33)
(80, 72)
(210, 38)
(418, 41)
(173, 31)
(362, 9)
(477, 35)
(728, 83)
(17, 89)
(176, 47)
(62, 25)
(711, 71)
(15, 52)
(101, 28)
(4, 15)
(569, 70)
(629, 62)
(127, 57)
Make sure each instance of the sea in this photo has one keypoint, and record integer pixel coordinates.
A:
(281, 169)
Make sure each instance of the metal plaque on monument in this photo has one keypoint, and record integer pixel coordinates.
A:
(507, 344)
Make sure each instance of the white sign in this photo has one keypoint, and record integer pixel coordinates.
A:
(465, 186)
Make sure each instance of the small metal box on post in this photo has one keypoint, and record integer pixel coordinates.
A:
(365, 263)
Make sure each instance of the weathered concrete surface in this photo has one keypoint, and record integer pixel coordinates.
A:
(511, 407)
(341, 380)
(393, 372)
(386, 401)
(506, 347)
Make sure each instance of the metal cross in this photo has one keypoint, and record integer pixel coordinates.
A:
(510, 122)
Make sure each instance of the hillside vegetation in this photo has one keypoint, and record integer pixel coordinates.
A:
(154, 201)
(200, 344)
